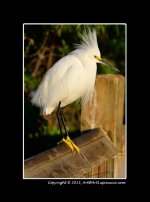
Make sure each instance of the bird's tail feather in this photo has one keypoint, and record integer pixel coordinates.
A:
(39, 96)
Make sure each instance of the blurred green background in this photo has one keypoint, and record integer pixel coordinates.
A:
(43, 46)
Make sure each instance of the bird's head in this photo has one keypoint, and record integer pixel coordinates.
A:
(88, 50)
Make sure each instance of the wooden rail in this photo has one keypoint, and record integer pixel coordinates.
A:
(60, 162)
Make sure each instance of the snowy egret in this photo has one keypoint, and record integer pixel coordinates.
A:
(72, 77)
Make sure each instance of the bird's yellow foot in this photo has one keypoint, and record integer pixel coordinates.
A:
(70, 144)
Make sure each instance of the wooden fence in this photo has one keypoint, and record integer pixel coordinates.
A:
(107, 111)
(102, 143)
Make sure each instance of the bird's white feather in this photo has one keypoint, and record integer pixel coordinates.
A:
(88, 40)
(70, 78)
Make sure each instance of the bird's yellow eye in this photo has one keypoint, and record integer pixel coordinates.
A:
(96, 57)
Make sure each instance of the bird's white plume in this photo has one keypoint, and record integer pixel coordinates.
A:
(88, 39)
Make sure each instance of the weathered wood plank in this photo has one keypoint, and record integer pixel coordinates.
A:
(59, 162)
(107, 108)
(107, 111)
(119, 166)
(96, 151)
(62, 149)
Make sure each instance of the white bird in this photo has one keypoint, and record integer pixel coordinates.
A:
(69, 79)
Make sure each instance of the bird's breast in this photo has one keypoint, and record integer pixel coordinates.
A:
(90, 77)
(90, 74)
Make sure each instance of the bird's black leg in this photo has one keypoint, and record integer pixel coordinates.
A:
(59, 119)
(63, 121)
(65, 139)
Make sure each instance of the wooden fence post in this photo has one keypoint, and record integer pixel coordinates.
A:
(107, 111)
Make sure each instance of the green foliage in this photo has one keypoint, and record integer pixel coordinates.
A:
(50, 130)
(64, 48)
(30, 84)
(27, 78)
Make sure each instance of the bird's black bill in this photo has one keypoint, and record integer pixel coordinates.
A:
(109, 65)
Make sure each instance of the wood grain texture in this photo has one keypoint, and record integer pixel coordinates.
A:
(107, 112)
(107, 107)
(60, 162)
